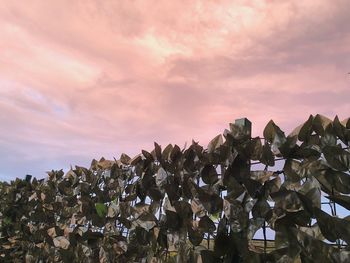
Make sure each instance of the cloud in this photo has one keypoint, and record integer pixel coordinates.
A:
(83, 79)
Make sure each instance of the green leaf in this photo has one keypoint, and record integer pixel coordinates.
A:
(101, 209)
(215, 216)
(7, 221)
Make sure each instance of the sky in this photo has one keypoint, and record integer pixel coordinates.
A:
(88, 78)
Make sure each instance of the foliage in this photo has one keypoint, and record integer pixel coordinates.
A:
(160, 206)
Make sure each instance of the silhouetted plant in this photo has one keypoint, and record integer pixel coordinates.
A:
(190, 205)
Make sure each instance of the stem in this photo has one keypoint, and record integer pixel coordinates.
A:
(208, 240)
(265, 241)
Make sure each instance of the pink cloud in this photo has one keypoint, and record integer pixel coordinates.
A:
(83, 79)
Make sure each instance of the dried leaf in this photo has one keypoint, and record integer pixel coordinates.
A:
(61, 242)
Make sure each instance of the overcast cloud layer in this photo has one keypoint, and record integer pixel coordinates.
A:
(85, 79)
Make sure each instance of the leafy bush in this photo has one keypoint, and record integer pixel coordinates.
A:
(190, 205)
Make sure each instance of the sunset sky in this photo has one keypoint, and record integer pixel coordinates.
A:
(88, 78)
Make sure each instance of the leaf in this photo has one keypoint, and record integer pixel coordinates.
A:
(339, 180)
(328, 139)
(134, 161)
(209, 174)
(52, 232)
(104, 164)
(161, 177)
(158, 152)
(147, 155)
(208, 256)
(270, 131)
(320, 123)
(314, 250)
(289, 147)
(254, 188)
(61, 242)
(306, 130)
(101, 209)
(261, 176)
(173, 221)
(232, 210)
(7, 221)
(207, 225)
(312, 190)
(215, 143)
(183, 209)
(113, 210)
(195, 236)
(255, 148)
(273, 185)
(222, 244)
(267, 157)
(312, 151)
(254, 225)
(175, 153)
(346, 123)
(212, 202)
(197, 207)
(339, 129)
(215, 217)
(333, 228)
(342, 200)
(293, 170)
(338, 158)
(274, 135)
(234, 188)
(261, 209)
(173, 191)
(166, 152)
(147, 221)
(125, 159)
(313, 231)
(327, 225)
(155, 194)
(287, 200)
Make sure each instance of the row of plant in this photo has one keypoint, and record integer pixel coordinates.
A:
(160, 206)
